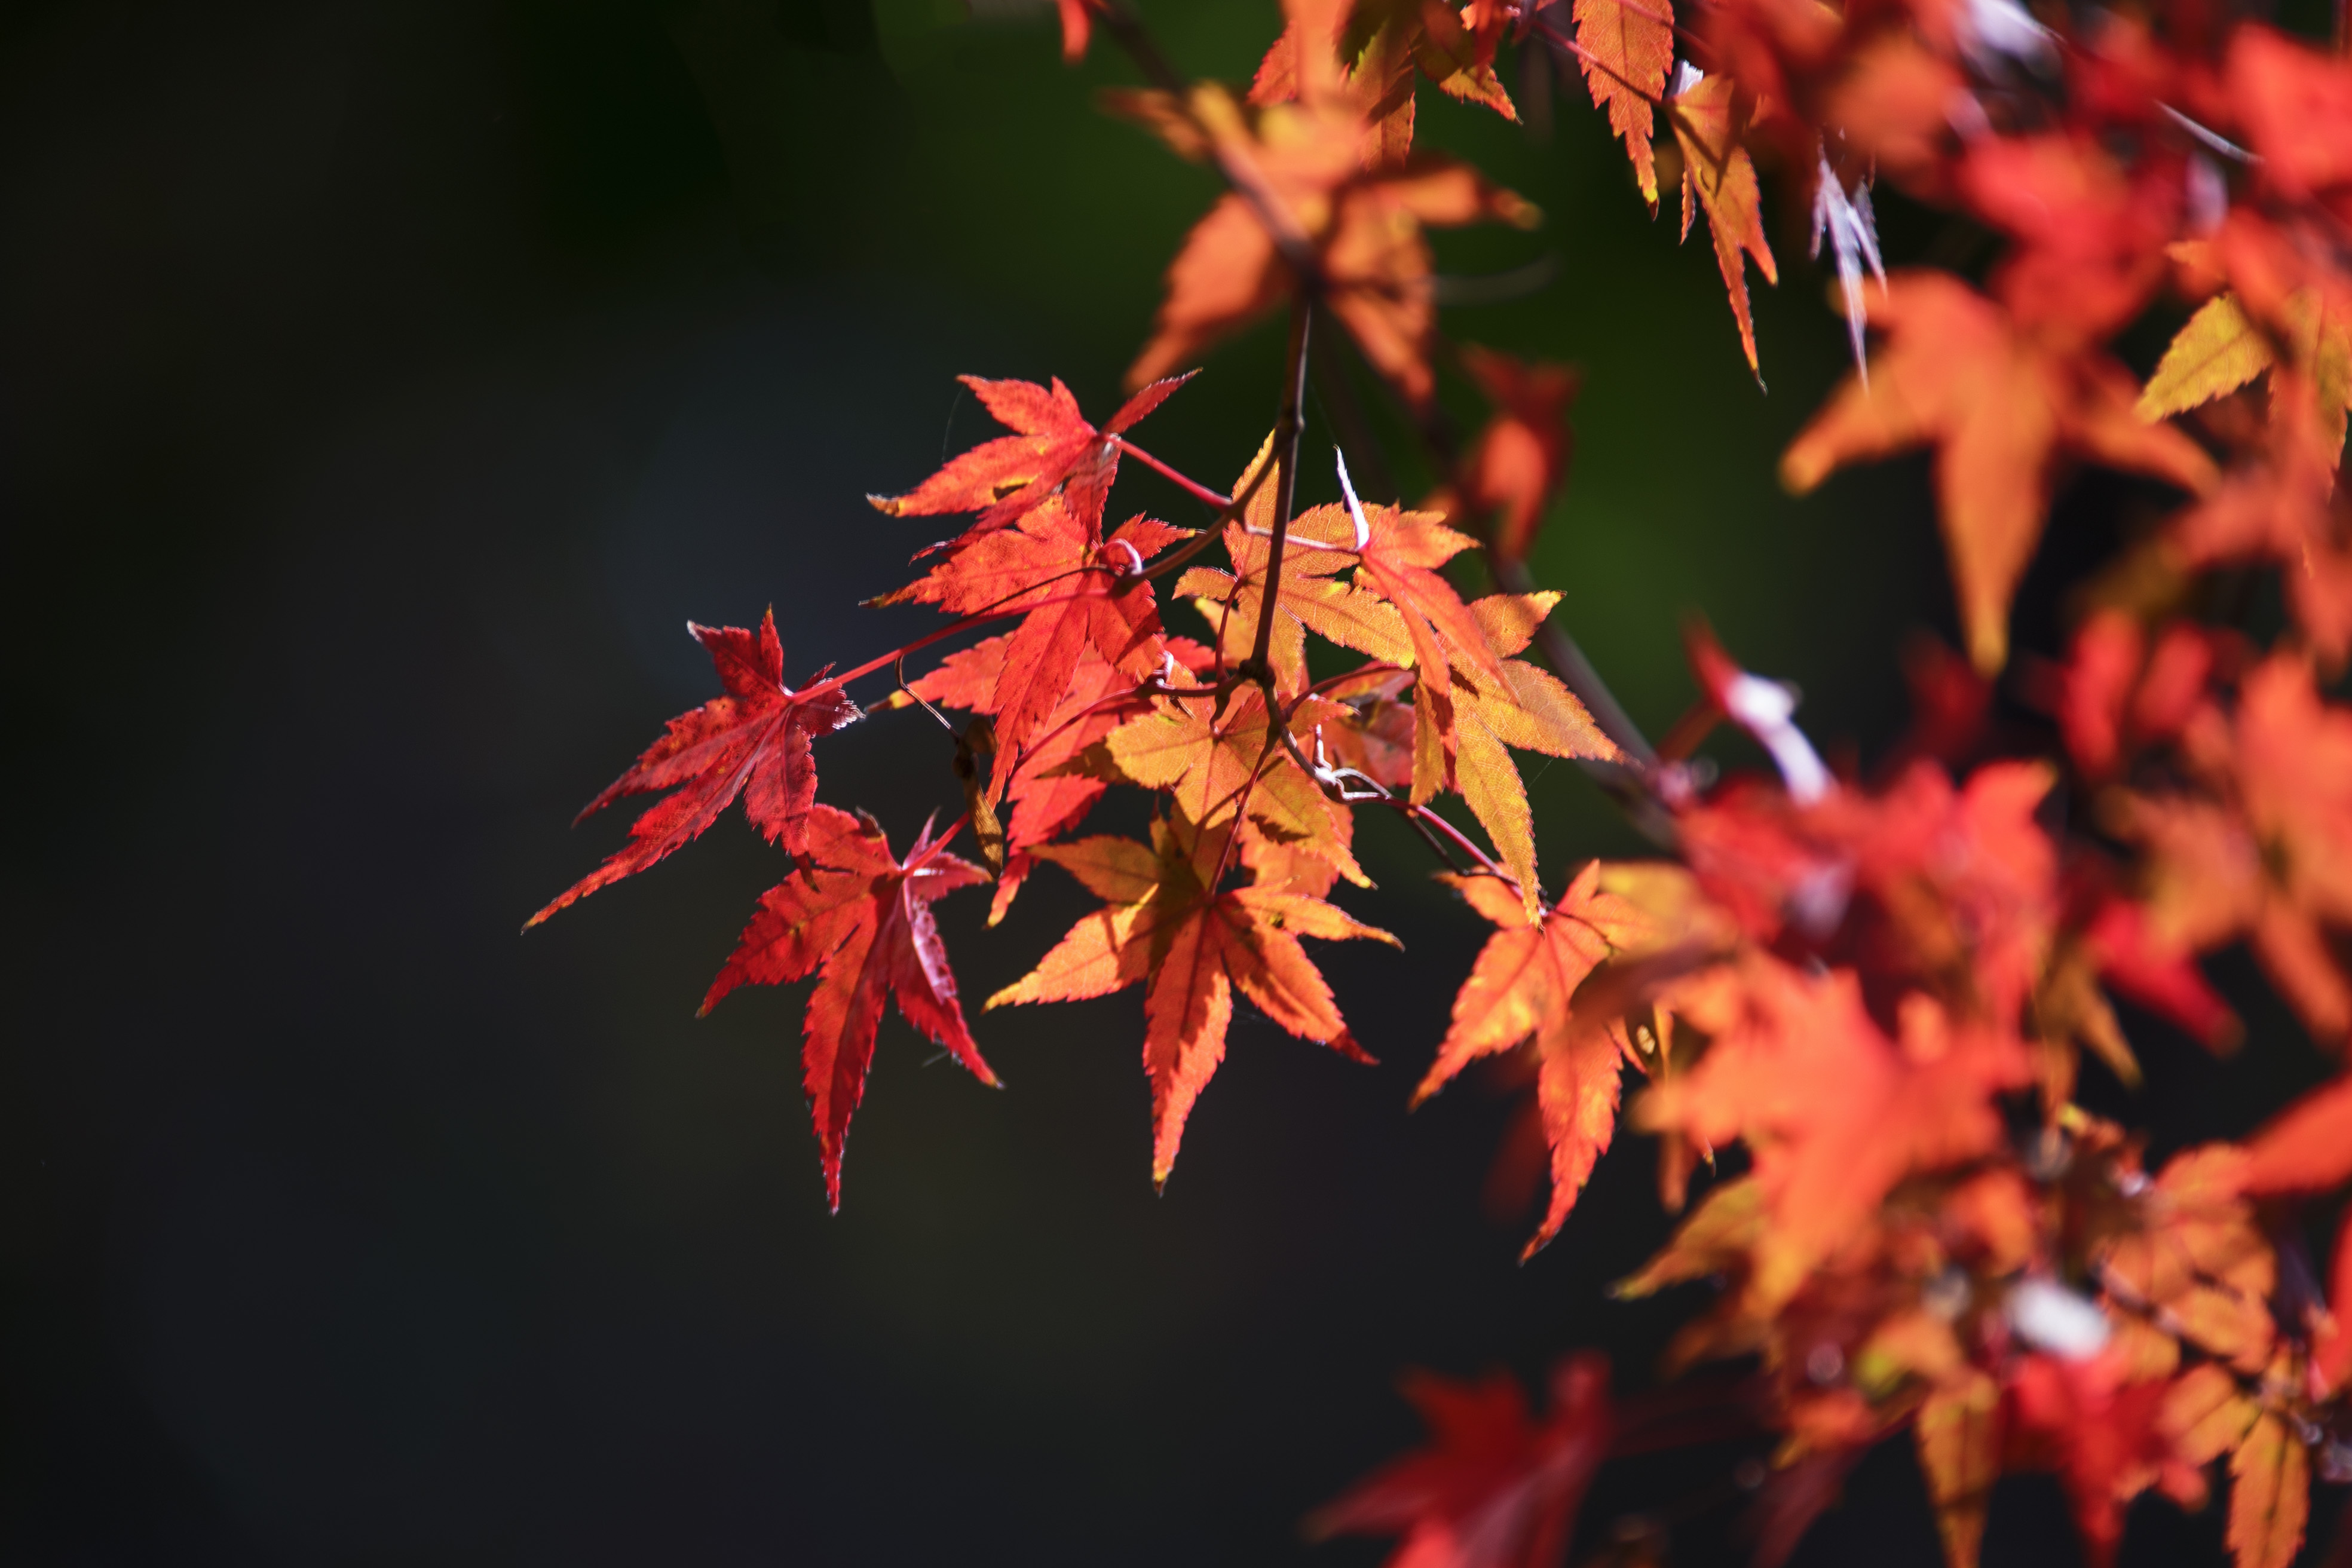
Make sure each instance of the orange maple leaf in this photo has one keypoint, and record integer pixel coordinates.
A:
(2000, 409)
(1521, 989)
(1166, 923)
(1710, 118)
(1628, 46)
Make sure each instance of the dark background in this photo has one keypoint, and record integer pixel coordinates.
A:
(381, 386)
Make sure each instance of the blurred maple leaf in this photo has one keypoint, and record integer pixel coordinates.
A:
(2000, 409)
(1318, 205)
(1495, 1489)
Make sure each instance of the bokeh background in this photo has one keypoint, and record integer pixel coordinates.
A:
(381, 387)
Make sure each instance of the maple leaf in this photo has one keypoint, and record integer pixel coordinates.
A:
(1835, 1111)
(2000, 409)
(1049, 795)
(1310, 210)
(1087, 595)
(1520, 989)
(2296, 105)
(1627, 49)
(2191, 1250)
(1520, 458)
(2104, 1434)
(860, 919)
(2270, 1494)
(1165, 923)
(2219, 351)
(1959, 1438)
(2285, 873)
(1374, 55)
(1077, 29)
(753, 741)
(2307, 1148)
(2088, 231)
(1054, 448)
(1717, 175)
(1531, 711)
(1495, 1489)
(1217, 766)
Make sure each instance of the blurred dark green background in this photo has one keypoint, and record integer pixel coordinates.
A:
(381, 386)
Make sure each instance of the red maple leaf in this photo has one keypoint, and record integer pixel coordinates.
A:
(1087, 593)
(1521, 456)
(2103, 1434)
(753, 741)
(1495, 1489)
(859, 918)
(1054, 449)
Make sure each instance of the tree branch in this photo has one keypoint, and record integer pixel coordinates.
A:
(1287, 429)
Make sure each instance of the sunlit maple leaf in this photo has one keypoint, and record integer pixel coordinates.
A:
(1374, 46)
(1835, 1111)
(2219, 351)
(1709, 120)
(1495, 1489)
(2194, 1253)
(1218, 766)
(1958, 1437)
(753, 741)
(2000, 410)
(1196, 945)
(1053, 450)
(860, 919)
(1628, 48)
(1531, 711)
(2270, 1494)
(1520, 989)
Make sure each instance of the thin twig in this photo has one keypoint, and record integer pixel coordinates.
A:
(1191, 487)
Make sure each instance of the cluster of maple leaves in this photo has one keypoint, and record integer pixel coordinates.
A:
(1878, 991)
